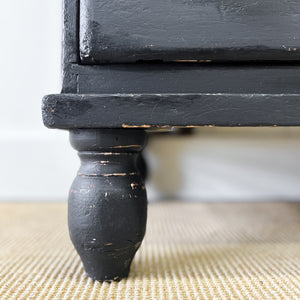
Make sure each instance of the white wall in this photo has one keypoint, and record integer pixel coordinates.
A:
(38, 164)
(227, 164)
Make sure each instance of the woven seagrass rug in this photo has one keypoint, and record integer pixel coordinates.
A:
(191, 251)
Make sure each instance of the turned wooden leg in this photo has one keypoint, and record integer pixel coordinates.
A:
(107, 201)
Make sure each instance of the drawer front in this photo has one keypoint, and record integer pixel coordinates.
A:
(113, 31)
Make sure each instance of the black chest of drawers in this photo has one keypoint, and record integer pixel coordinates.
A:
(134, 65)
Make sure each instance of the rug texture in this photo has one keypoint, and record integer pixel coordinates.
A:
(191, 251)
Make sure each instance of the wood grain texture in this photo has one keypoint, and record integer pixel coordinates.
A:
(128, 31)
(67, 111)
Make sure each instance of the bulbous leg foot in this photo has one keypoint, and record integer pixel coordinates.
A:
(107, 203)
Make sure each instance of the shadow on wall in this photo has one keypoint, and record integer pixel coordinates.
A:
(225, 164)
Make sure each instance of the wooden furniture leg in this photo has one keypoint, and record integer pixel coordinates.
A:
(127, 67)
(107, 201)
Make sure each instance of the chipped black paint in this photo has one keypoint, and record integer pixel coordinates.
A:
(166, 110)
(107, 202)
(114, 31)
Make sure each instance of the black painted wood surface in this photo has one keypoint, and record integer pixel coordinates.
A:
(188, 78)
(107, 208)
(105, 95)
(70, 42)
(200, 30)
(67, 111)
